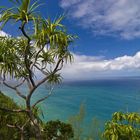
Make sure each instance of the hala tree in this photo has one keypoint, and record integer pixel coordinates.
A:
(43, 46)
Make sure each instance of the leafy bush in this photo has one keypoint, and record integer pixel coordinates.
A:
(58, 130)
(123, 126)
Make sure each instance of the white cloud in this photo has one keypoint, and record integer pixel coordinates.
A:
(2, 33)
(106, 17)
(66, 3)
(89, 67)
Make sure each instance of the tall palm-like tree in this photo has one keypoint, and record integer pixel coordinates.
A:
(44, 47)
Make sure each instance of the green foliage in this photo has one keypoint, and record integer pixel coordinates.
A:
(124, 126)
(6, 118)
(50, 130)
(11, 58)
(9, 118)
(58, 130)
(23, 11)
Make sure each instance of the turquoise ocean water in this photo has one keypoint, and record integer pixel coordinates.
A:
(101, 98)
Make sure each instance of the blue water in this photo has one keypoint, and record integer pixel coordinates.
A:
(101, 98)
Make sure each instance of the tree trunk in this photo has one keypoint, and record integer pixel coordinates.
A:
(22, 135)
(35, 125)
(37, 132)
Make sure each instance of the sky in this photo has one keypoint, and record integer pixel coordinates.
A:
(108, 31)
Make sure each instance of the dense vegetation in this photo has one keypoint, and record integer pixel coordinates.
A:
(11, 125)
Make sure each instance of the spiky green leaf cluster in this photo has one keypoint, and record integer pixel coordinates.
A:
(44, 44)
(11, 57)
(23, 11)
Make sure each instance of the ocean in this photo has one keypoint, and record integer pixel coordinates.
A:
(101, 98)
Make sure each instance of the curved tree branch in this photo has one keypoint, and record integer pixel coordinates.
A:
(16, 89)
(27, 51)
(13, 110)
(42, 99)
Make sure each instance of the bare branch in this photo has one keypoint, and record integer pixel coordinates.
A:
(21, 128)
(33, 89)
(29, 84)
(12, 110)
(16, 89)
(27, 64)
(20, 94)
(25, 123)
(9, 86)
(57, 65)
(36, 57)
(11, 126)
(23, 31)
(43, 72)
(18, 85)
(44, 98)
